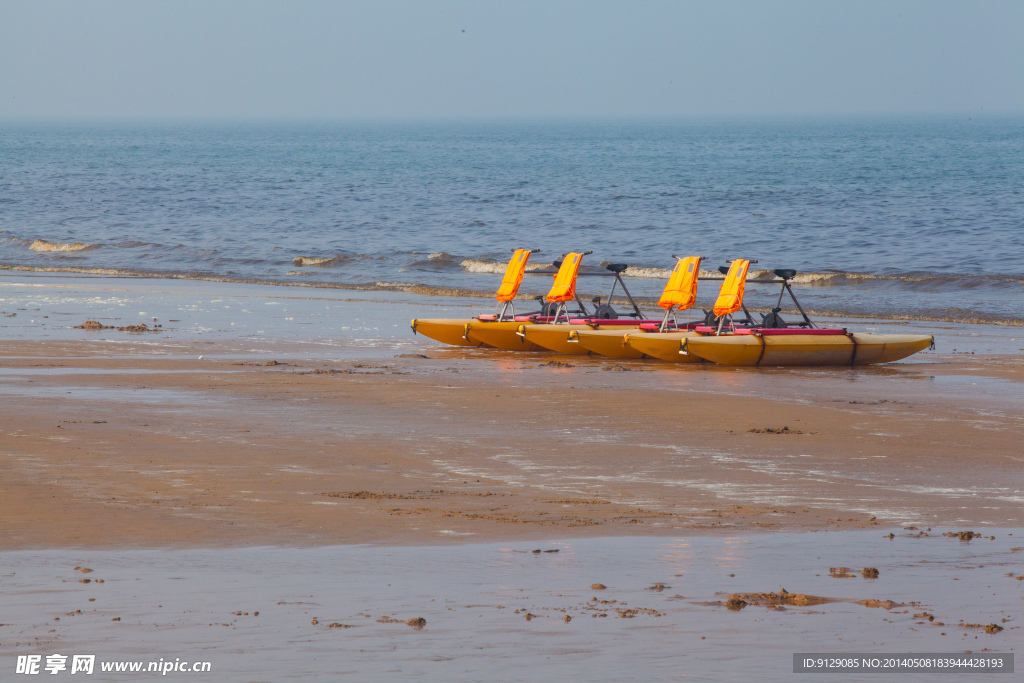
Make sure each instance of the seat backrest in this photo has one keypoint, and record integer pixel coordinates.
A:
(681, 290)
(564, 287)
(730, 296)
(513, 276)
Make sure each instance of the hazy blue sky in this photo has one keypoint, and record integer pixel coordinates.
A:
(445, 58)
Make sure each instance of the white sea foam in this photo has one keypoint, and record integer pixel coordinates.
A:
(814, 278)
(475, 266)
(648, 273)
(45, 246)
(313, 261)
(327, 261)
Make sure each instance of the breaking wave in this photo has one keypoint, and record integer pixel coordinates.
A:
(840, 278)
(45, 246)
(915, 280)
(313, 261)
(644, 273)
(440, 261)
(327, 261)
(497, 268)
(950, 315)
(812, 279)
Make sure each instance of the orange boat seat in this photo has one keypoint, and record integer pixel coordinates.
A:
(730, 296)
(681, 290)
(564, 287)
(513, 275)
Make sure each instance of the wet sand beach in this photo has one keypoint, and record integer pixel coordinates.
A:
(579, 609)
(231, 456)
(108, 452)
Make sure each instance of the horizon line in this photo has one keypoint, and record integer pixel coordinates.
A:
(561, 118)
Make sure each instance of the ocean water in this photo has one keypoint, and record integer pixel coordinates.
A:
(903, 218)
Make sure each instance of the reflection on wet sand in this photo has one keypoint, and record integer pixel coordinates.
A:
(706, 607)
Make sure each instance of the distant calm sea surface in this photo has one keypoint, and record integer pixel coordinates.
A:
(894, 218)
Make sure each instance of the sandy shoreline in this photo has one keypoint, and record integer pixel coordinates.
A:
(310, 460)
(126, 450)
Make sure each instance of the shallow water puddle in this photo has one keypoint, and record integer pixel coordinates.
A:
(530, 609)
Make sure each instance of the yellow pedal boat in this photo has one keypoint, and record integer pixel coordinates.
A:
(563, 337)
(805, 349)
(474, 332)
(662, 345)
(500, 330)
(605, 342)
(501, 335)
(553, 337)
(445, 330)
